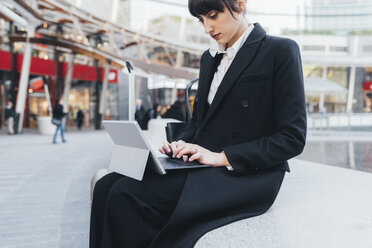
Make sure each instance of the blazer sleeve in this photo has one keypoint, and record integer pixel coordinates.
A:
(289, 135)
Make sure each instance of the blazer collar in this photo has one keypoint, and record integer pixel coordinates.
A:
(241, 61)
(207, 70)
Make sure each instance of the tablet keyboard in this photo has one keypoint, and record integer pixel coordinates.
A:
(181, 162)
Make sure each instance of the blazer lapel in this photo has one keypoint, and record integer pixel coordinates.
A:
(241, 61)
(206, 77)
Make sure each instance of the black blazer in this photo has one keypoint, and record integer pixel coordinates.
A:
(258, 115)
(257, 118)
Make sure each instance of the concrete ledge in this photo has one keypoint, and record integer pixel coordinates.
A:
(318, 206)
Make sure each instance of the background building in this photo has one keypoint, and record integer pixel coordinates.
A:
(339, 16)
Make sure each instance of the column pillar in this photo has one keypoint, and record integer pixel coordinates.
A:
(23, 83)
(131, 89)
(350, 95)
(102, 104)
(67, 84)
(322, 96)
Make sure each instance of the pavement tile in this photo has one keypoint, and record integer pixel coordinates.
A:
(45, 188)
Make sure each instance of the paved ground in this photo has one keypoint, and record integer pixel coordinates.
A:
(45, 188)
(351, 150)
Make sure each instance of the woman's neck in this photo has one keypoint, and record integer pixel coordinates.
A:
(243, 27)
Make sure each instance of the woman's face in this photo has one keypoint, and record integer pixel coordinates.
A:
(223, 27)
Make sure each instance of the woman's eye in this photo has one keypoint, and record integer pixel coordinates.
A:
(213, 16)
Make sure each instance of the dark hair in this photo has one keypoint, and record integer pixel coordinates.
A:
(202, 7)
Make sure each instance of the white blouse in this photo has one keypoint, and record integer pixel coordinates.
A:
(228, 57)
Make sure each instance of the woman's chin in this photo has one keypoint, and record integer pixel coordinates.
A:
(221, 42)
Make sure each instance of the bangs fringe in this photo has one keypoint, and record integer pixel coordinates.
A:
(202, 7)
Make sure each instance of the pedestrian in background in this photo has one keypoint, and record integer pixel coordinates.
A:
(154, 112)
(9, 117)
(79, 119)
(140, 114)
(57, 120)
(70, 118)
(175, 112)
(151, 113)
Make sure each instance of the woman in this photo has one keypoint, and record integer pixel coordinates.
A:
(249, 118)
(9, 117)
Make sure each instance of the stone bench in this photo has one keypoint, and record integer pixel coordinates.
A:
(318, 206)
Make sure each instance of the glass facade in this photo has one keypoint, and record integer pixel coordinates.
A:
(339, 16)
(332, 103)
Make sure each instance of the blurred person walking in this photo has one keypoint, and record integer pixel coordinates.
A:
(140, 114)
(175, 112)
(9, 117)
(79, 119)
(151, 113)
(154, 112)
(57, 120)
(70, 118)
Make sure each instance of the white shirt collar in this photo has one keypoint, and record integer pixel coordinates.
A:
(216, 48)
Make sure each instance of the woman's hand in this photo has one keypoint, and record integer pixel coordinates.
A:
(168, 148)
(181, 149)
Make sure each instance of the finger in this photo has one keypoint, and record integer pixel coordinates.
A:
(186, 150)
(180, 147)
(173, 146)
(185, 157)
(196, 156)
(166, 146)
(195, 150)
(161, 150)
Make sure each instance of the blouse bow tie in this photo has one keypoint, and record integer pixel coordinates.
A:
(230, 52)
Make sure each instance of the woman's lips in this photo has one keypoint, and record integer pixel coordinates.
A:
(216, 36)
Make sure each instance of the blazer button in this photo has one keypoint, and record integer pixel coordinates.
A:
(245, 104)
(235, 134)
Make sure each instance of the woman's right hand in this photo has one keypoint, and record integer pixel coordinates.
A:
(168, 148)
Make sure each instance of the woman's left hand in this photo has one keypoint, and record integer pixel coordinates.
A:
(202, 155)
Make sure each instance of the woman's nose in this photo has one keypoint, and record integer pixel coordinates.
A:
(208, 27)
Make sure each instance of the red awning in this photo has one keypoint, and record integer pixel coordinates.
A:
(47, 67)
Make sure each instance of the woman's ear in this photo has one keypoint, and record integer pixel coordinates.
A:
(241, 4)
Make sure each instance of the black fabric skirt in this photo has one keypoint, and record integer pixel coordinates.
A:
(129, 213)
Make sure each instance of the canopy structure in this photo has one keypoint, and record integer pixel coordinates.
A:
(56, 25)
(59, 24)
(317, 86)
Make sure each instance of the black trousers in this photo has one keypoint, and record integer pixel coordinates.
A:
(129, 213)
